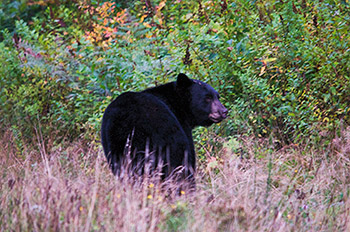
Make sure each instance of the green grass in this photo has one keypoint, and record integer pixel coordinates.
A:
(69, 188)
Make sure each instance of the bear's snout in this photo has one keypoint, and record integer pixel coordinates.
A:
(218, 112)
(224, 112)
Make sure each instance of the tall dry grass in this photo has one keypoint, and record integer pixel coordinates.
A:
(69, 188)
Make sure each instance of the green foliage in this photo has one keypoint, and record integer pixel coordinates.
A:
(176, 219)
(281, 68)
(12, 10)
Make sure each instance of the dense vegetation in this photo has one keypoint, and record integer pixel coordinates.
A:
(281, 67)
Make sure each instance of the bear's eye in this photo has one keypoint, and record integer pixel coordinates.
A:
(208, 98)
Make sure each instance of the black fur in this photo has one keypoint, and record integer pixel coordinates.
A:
(160, 119)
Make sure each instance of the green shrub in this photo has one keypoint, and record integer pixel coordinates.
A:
(281, 68)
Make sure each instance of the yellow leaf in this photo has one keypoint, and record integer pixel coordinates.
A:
(262, 71)
(147, 25)
(269, 60)
(143, 18)
(161, 5)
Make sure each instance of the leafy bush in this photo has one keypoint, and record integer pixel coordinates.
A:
(281, 68)
(12, 10)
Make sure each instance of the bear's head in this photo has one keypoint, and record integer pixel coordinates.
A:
(204, 104)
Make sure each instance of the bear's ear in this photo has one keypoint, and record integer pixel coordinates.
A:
(183, 81)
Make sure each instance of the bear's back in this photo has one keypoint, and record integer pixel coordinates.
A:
(143, 118)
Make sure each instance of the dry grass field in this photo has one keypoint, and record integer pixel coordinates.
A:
(69, 188)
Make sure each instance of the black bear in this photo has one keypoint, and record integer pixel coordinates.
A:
(155, 126)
